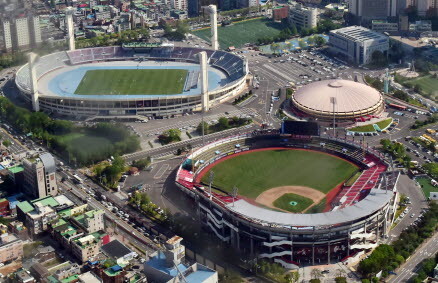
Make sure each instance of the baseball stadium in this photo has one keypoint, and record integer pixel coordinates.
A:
(157, 80)
(291, 195)
(342, 100)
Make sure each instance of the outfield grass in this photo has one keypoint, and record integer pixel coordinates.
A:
(369, 128)
(428, 84)
(426, 186)
(132, 81)
(255, 172)
(283, 202)
(240, 33)
(86, 143)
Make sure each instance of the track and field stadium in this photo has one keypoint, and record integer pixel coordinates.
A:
(290, 198)
(147, 80)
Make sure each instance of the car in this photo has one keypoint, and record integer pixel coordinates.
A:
(326, 271)
(412, 215)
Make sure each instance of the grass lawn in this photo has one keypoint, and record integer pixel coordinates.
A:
(85, 143)
(429, 85)
(238, 34)
(255, 172)
(426, 186)
(131, 81)
(317, 208)
(283, 202)
(369, 128)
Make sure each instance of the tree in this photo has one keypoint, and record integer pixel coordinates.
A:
(275, 47)
(199, 128)
(223, 123)
(319, 41)
(294, 30)
(417, 88)
(142, 163)
(310, 40)
(401, 95)
(302, 44)
(6, 143)
(341, 279)
(169, 136)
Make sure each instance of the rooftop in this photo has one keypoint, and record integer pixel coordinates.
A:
(201, 274)
(374, 201)
(115, 249)
(359, 34)
(16, 169)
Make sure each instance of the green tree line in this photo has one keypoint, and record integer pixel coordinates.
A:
(389, 257)
(52, 133)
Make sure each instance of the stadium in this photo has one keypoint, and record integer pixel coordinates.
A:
(156, 80)
(259, 193)
(342, 100)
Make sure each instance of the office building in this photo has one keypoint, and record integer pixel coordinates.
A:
(303, 17)
(367, 10)
(91, 221)
(40, 176)
(357, 44)
(20, 33)
(384, 26)
(179, 4)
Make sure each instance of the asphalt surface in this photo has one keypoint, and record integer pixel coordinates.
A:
(407, 270)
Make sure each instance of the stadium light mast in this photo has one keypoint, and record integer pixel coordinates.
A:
(32, 57)
(70, 28)
(213, 24)
(210, 182)
(204, 88)
(333, 101)
(234, 193)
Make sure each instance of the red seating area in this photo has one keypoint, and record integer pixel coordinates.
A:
(185, 178)
(365, 182)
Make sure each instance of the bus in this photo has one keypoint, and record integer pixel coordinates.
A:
(396, 106)
(76, 179)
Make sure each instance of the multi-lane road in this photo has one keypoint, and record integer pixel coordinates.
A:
(408, 269)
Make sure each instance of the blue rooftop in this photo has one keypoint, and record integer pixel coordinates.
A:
(159, 262)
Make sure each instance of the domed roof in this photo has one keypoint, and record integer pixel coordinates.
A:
(349, 96)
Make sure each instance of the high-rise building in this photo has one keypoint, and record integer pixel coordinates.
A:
(179, 4)
(40, 176)
(303, 17)
(20, 33)
(367, 10)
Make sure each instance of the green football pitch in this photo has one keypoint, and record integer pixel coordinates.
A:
(243, 32)
(256, 172)
(132, 81)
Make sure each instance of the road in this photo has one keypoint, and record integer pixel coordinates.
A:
(407, 270)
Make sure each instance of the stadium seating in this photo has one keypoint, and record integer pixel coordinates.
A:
(43, 66)
(232, 64)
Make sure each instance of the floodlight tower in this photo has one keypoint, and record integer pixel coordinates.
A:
(204, 87)
(70, 28)
(213, 24)
(32, 57)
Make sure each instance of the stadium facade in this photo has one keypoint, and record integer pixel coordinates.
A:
(342, 100)
(359, 217)
(233, 82)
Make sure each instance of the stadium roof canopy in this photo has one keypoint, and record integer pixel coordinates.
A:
(349, 96)
(373, 202)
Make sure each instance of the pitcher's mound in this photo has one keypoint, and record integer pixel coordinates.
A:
(268, 197)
